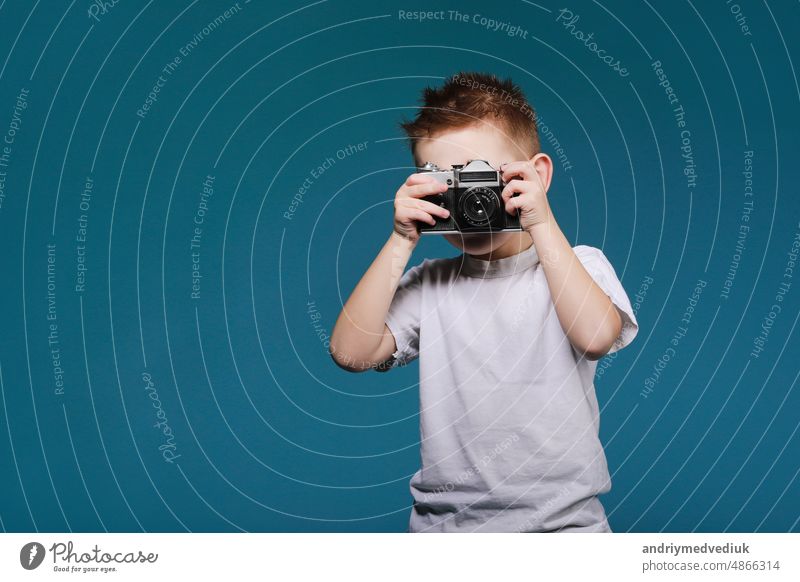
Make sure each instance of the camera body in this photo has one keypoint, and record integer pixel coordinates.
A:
(473, 198)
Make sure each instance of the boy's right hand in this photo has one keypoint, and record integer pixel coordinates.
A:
(409, 208)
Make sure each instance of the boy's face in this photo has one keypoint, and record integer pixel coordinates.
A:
(483, 141)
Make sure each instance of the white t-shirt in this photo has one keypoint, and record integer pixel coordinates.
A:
(509, 420)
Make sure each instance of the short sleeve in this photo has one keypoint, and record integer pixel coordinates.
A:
(403, 317)
(603, 273)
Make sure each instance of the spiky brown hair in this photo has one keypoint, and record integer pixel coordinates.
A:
(469, 98)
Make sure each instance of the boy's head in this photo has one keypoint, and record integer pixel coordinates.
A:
(475, 116)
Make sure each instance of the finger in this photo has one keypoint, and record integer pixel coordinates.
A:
(426, 189)
(424, 205)
(420, 216)
(432, 208)
(514, 204)
(523, 170)
(419, 178)
(515, 187)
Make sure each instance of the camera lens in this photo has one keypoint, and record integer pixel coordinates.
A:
(478, 206)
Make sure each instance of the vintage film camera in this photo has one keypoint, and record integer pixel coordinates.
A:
(473, 199)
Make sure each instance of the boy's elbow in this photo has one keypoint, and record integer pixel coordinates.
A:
(342, 360)
(598, 349)
(346, 360)
(600, 344)
(594, 354)
(344, 365)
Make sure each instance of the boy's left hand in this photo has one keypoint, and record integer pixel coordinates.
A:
(522, 179)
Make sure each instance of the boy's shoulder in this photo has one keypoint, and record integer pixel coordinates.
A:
(583, 252)
(587, 251)
(433, 269)
(443, 268)
(589, 255)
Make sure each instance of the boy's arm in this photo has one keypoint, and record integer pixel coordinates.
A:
(361, 340)
(591, 321)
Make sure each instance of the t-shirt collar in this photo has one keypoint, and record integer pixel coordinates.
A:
(474, 267)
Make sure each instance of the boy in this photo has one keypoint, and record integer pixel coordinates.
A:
(507, 333)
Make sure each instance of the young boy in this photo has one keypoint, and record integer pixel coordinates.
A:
(507, 333)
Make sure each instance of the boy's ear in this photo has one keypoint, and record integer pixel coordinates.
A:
(544, 167)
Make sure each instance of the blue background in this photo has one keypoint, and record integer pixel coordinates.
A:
(269, 435)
